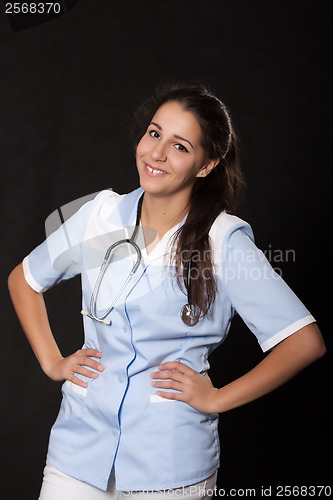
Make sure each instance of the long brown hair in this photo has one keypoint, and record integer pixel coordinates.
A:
(211, 195)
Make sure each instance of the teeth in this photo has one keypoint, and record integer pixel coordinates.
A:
(154, 171)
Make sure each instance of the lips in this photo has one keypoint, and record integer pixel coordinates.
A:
(154, 172)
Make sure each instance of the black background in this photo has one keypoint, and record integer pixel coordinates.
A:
(69, 88)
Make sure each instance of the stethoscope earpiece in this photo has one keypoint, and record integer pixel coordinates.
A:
(84, 312)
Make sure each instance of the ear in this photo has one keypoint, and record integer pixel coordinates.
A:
(207, 168)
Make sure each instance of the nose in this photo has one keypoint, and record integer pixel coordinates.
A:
(158, 153)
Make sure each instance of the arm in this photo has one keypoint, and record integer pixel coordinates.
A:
(285, 361)
(32, 314)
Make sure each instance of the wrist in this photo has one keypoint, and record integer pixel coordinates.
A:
(48, 364)
(216, 404)
(220, 402)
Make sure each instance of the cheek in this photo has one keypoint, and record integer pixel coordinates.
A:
(141, 147)
(185, 166)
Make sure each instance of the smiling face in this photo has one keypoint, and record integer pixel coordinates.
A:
(170, 156)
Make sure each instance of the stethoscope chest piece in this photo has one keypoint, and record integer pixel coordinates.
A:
(190, 314)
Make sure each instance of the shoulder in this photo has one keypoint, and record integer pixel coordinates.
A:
(76, 214)
(225, 225)
(107, 200)
(112, 211)
(87, 205)
(121, 205)
(228, 233)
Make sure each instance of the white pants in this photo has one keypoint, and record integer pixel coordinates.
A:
(58, 486)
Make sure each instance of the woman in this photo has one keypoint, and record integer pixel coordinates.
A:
(148, 334)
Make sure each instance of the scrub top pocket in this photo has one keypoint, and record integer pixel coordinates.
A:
(72, 406)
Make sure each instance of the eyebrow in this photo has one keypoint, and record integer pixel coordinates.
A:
(175, 136)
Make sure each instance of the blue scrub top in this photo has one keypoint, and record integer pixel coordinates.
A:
(118, 420)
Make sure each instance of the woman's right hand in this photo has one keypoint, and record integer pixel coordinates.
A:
(61, 368)
(31, 310)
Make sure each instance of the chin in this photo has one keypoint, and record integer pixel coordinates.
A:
(150, 185)
(148, 188)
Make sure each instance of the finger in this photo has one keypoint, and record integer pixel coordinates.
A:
(86, 361)
(77, 381)
(169, 374)
(81, 357)
(170, 395)
(88, 351)
(170, 384)
(83, 371)
(175, 365)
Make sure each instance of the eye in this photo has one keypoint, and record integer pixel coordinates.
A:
(154, 133)
(180, 147)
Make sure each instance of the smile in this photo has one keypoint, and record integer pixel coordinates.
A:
(154, 171)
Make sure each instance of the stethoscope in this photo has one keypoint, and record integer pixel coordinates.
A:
(189, 312)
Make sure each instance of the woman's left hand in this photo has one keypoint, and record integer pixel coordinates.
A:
(195, 389)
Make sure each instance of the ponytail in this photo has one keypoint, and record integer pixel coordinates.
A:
(211, 195)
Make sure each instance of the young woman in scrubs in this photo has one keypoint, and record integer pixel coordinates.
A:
(139, 411)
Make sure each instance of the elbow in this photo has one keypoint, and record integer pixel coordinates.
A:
(306, 345)
(314, 342)
(321, 349)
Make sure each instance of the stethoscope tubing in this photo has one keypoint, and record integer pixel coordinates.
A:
(189, 313)
(92, 306)
(101, 274)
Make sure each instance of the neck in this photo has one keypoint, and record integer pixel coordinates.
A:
(163, 212)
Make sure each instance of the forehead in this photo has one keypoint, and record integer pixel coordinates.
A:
(175, 120)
